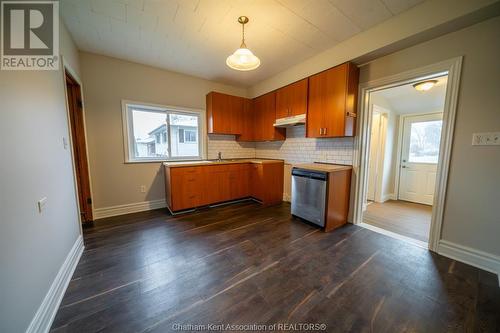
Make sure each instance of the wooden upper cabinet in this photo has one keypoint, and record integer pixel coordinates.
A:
(264, 108)
(332, 102)
(292, 99)
(224, 114)
(247, 122)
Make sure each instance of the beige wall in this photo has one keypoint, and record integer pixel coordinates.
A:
(106, 81)
(471, 215)
(34, 165)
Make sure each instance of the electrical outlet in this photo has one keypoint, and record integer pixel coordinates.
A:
(143, 189)
(65, 143)
(486, 139)
(41, 204)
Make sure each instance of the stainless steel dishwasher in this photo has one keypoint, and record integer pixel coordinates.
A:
(309, 195)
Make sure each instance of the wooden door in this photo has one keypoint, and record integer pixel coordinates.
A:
(327, 94)
(256, 181)
(218, 183)
(317, 103)
(292, 99)
(236, 114)
(75, 105)
(248, 122)
(265, 116)
(224, 113)
(419, 158)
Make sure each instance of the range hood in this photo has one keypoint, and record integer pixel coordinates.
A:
(291, 121)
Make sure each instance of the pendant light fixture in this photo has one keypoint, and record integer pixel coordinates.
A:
(243, 59)
(425, 85)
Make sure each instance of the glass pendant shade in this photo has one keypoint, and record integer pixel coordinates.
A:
(243, 59)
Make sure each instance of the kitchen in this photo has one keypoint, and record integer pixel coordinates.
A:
(200, 164)
(323, 104)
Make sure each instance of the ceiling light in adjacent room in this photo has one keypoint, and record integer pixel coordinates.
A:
(425, 85)
(243, 59)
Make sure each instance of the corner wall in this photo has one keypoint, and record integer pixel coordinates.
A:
(33, 245)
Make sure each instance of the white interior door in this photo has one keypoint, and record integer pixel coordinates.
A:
(419, 157)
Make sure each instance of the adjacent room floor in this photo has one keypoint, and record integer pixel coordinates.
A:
(405, 218)
(244, 264)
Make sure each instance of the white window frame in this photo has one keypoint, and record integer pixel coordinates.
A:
(128, 132)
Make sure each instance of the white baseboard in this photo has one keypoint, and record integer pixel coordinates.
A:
(50, 304)
(386, 197)
(473, 257)
(100, 213)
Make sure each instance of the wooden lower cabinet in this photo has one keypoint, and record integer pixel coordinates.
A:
(190, 187)
(339, 191)
(186, 188)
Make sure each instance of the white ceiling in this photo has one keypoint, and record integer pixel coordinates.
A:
(196, 36)
(406, 99)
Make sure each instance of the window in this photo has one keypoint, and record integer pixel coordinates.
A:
(190, 136)
(424, 141)
(187, 136)
(154, 133)
(181, 135)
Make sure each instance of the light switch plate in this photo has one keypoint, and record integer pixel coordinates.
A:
(41, 204)
(486, 139)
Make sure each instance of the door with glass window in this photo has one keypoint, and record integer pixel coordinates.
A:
(419, 157)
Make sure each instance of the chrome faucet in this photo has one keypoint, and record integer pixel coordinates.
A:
(219, 156)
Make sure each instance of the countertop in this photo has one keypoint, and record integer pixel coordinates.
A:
(215, 162)
(323, 167)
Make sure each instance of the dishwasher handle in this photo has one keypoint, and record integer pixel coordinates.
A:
(317, 175)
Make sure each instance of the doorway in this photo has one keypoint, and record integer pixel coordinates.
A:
(405, 136)
(79, 146)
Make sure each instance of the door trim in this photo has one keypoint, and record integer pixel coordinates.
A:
(66, 67)
(399, 147)
(452, 67)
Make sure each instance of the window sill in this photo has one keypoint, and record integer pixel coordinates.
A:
(162, 161)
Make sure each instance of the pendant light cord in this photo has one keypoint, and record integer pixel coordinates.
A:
(243, 45)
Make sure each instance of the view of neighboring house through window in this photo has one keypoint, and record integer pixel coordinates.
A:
(180, 126)
(162, 134)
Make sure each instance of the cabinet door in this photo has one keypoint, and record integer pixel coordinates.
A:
(326, 106)
(292, 99)
(316, 105)
(238, 181)
(332, 102)
(248, 122)
(224, 113)
(336, 81)
(283, 102)
(265, 115)
(236, 120)
(256, 181)
(218, 184)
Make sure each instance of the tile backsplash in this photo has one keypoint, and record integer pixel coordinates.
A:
(299, 149)
(229, 147)
(295, 149)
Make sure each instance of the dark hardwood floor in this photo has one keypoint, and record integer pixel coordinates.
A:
(244, 264)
